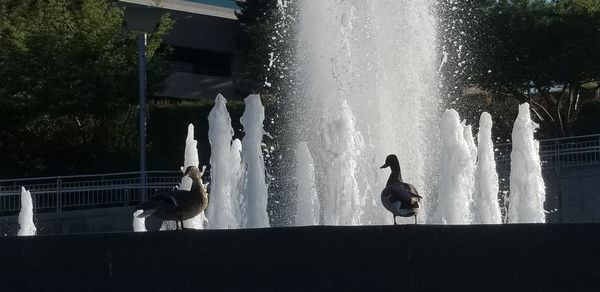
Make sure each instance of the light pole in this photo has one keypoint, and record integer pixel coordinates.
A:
(141, 44)
(142, 20)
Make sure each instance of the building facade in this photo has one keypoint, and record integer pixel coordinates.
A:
(206, 60)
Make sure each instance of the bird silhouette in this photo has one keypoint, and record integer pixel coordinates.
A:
(178, 205)
(398, 197)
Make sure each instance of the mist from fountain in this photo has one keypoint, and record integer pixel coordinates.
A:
(378, 57)
(527, 188)
(471, 165)
(308, 206)
(26, 225)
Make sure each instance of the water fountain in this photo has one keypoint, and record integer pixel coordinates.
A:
(366, 72)
(190, 159)
(221, 212)
(27, 227)
(527, 190)
(486, 208)
(235, 185)
(255, 188)
(367, 77)
(456, 173)
(139, 224)
(308, 206)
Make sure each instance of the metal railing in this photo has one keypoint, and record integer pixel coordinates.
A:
(55, 194)
(560, 153)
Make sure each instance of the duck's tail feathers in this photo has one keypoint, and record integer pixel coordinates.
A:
(148, 208)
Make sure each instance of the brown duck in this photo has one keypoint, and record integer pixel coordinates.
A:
(178, 205)
(398, 197)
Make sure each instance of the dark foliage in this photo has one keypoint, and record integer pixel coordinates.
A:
(68, 91)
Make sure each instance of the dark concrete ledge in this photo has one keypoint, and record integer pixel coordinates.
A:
(375, 258)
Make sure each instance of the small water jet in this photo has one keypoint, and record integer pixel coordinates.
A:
(307, 206)
(190, 159)
(340, 152)
(456, 173)
(235, 171)
(27, 227)
(139, 224)
(221, 211)
(527, 188)
(255, 188)
(486, 207)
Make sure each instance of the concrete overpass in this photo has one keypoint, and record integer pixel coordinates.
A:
(206, 58)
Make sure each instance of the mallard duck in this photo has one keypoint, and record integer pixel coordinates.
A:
(398, 197)
(178, 205)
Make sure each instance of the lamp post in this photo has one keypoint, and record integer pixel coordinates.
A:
(142, 20)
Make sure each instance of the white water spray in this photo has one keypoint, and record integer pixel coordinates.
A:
(221, 209)
(139, 224)
(471, 165)
(235, 172)
(527, 188)
(379, 56)
(341, 148)
(487, 209)
(255, 188)
(456, 173)
(190, 159)
(308, 206)
(27, 227)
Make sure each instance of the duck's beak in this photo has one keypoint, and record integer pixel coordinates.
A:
(384, 166)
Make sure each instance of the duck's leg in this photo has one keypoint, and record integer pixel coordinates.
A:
(415, 219)
(395, 220)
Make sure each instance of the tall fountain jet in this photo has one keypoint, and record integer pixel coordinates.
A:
(308, 205)
(190, 159)
(527, 188)
(255, 188)
(486, 207)
(371, 62)
(456, 172)
(236, 180)
(222, 209)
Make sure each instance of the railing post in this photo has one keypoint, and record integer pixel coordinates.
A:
(598, 148)
(557, 157)
(143, 186)
(58, 195)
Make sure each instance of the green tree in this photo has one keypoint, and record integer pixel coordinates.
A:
(268, 32)
(68, 86)
(546, 53)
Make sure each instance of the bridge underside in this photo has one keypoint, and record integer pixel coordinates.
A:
(476, 258)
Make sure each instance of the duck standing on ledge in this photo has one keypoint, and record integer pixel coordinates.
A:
(398, 197)
(178, 205)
